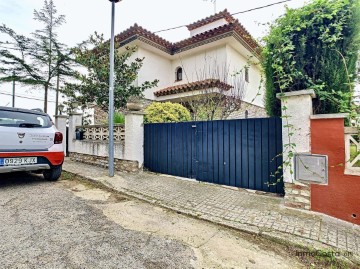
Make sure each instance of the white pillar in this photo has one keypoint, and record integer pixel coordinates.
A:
(134, 136)
(60, 123)
(75, 119)
(296, 111)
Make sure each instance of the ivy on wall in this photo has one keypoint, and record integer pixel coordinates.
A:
(314, 47)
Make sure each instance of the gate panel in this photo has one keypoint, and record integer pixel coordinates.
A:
(265, 160)
(272, 154)
(258, 156)
(232, 153)
(226, 150)
(210, 151)
(243, 153)
(238, 153)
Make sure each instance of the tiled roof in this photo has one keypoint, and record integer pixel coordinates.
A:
(233, 28)
(193, 86)
(221, 15)
(137, 31)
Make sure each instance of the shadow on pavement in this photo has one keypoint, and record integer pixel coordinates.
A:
(20, 178)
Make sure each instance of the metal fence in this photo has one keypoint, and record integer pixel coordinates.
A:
(244, 153)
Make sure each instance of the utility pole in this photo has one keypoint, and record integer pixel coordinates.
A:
(57, 94)
(13, 90)
(111, 91)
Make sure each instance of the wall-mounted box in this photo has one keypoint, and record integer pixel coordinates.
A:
(311, 168)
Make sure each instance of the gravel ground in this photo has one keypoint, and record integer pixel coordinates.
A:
(45, 226)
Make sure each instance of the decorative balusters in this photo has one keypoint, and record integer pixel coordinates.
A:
(352, 151)
(101, 132)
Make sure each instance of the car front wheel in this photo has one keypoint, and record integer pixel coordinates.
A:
(53, 174)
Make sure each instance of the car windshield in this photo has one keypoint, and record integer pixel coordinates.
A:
(23, 119)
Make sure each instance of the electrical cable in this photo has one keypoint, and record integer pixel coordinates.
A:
(236, 13)
(25, 97)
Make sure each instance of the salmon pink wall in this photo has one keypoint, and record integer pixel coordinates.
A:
(341, 197)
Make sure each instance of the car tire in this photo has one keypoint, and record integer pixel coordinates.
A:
(53, 174)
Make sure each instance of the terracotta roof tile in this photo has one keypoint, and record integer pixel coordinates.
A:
(197, 85)
(233, 28)
(221, 15)
(137, 31)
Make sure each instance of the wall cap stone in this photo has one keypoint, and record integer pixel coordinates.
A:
(310, 92)
(329, 116)
(351, 130)
(130, 112)
(61, 116)
(75, 114)
(104, 142)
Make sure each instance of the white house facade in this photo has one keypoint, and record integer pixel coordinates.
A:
(218, 48)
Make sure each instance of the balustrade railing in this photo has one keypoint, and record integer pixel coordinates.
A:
(352, 151)
(101, 132)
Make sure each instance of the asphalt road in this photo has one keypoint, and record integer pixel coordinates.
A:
(43, 225)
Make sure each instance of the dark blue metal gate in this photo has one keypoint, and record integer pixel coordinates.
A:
(242, 153)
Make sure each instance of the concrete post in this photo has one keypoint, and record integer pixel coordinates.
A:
(134, 136)
(296, 130)
(60, 123)
(75, 119)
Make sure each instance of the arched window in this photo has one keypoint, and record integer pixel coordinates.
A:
(246, 114)
(178, 74)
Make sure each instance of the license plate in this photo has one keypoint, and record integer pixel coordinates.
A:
(18, 161)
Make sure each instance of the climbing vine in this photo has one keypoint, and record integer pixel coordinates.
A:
(314, 47)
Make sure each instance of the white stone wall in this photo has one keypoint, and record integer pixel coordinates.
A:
(134, 137)
(74, 120)
(97, 148)
(253, 111)
(132, 149)
(297, 117)
(154, 67)
(60, 123)
(237, 62)
(201, 65)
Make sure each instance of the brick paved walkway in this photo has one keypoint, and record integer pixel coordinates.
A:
(232, 207)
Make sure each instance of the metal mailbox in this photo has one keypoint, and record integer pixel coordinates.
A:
(311, 168)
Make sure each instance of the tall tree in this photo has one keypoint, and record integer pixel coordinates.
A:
(92, 86)
(38, 59)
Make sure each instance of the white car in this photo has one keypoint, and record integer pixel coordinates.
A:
(29, 141)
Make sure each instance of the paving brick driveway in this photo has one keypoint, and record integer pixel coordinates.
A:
(236, 208)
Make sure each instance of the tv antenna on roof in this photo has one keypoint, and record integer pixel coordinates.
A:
(214, 2)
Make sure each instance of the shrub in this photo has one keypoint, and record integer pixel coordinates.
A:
(314, 47)
(166, 112)
(119, 118)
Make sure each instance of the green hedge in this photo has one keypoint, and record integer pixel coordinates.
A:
(166, 112)
(314, 47)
